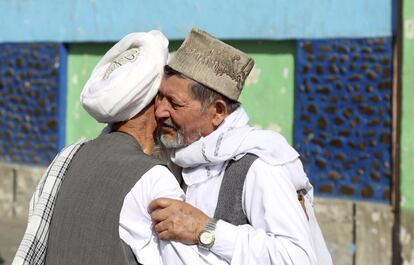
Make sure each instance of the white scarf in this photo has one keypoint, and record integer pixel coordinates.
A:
(234, 138)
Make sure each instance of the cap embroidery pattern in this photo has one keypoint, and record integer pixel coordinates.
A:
(128, 56)
(221, 63)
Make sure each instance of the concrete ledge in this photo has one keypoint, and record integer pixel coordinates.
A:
(11, 234)
(335, 218)
(6, 191)
(358, 233)
(17, 184)
(373, 233)
(407, 237)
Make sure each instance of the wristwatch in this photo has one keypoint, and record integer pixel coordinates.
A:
(206, 237)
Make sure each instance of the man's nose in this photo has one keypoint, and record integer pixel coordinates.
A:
(161, 108)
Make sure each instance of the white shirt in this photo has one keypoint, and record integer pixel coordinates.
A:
(279, 232)
(135, 225)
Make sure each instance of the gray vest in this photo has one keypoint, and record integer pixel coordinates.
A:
(84, 227)
(229, 206)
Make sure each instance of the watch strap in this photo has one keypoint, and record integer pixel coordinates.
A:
(209, 228)
(211, 225)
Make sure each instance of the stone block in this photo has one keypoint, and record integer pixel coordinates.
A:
(407, 237)
(17, 184)
(11, 234)
(6, 190)
(27, 180)
(373, 224)
(335, 218)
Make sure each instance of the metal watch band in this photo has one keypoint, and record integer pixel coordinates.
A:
(208, 229)
(211, 225)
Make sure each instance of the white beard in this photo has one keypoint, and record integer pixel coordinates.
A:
(168, 143)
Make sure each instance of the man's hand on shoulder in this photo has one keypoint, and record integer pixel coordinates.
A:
(177, 220)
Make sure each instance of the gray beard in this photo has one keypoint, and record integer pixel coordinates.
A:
(167, 143)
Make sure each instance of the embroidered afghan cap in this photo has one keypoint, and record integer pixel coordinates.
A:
(127, 77)
(212, 63)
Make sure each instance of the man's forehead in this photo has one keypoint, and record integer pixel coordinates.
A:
(175, 85)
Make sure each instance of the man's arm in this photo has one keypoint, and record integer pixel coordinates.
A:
(176, 220)
(135, 226)
(278, 234)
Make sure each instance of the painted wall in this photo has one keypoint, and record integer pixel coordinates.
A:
(407, 137)
(267, 97)
(106, 20)
(343, 116)
(269, 94)
(81, 61)
(32, 101)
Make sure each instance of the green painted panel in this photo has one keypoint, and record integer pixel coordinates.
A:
(268, 95)
(82, 59)
(407, 137)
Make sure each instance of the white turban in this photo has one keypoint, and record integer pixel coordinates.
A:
(127, 77)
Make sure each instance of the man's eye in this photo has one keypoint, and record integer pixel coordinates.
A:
(175, 105)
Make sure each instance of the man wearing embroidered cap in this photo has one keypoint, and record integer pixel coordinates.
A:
(244, 180)
(98, 214)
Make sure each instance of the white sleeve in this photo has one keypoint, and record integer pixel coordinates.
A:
(278, 232)
(135, 225)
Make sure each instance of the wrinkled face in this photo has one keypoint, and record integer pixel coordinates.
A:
(180, 119)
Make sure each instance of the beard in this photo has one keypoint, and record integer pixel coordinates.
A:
(171, 143)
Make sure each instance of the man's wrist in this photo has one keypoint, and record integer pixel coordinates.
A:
(226, 235)
(206, 237)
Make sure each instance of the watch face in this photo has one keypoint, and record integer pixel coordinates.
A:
(206, 238)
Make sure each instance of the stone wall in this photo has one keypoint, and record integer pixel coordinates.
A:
(357, 233)
(17, 184)
(407, 237)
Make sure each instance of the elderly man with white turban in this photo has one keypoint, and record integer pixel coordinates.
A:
(91, 205)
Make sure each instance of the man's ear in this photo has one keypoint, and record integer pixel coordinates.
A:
(220, 112)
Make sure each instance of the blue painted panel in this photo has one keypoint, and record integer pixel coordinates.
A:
(107, 20)
(62, 95)
(29, 96)
(343, 116)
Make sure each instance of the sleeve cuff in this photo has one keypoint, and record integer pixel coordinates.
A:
(225, 239)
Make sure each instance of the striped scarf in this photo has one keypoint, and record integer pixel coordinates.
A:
(32, 249)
